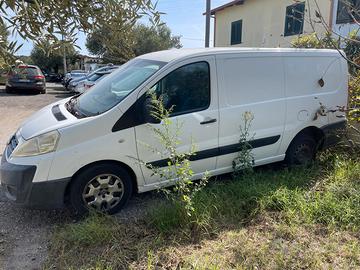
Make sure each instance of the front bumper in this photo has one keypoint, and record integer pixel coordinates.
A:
(17, 182)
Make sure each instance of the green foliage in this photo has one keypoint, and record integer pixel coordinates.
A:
(94, 230)
(352, 50)
(54, 20)
(243, 163)
(137, 40)
(301, 196)
(50, 59)
(118, 46)
(274, 218)
(232, 201)
(5, 53)
(313, 41)
(334, 202)
(178, 173)
(352, 46)
(354, 97)
(150, 39)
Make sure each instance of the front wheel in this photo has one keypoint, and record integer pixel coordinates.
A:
(103, 188)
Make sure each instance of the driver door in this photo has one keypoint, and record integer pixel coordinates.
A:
(190, 88)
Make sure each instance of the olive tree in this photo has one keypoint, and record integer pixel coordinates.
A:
(60, 21)
(140, 39)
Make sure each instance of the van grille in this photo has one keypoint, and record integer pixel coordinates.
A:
(12, 145)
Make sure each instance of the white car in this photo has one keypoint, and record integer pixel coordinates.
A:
(84, 149)
(76, 81)
(91, 81)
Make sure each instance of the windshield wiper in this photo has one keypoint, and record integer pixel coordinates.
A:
(71, 107)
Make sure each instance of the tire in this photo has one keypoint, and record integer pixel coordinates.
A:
(8, 90)
(43, 91)
(302, 151)
(98, 188)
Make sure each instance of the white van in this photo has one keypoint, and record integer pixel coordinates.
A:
(81, 150)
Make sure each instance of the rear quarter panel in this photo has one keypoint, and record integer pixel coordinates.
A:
(304, 95)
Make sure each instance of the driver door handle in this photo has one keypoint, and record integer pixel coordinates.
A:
(208, 120)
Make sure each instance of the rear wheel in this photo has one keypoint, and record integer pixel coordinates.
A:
(103, 188)
(8, 90)
(302, 151)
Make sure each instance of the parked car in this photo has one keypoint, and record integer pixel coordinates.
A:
(75, 74)
(25, 78)
(53, 77)
(83, 149)
(91, 81)
(79, 81)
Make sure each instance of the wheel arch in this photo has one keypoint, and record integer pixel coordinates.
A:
(114, 162)
(317, 133)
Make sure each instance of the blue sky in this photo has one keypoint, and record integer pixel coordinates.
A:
(184, 17)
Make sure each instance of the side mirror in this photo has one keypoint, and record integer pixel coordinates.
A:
(147, 112)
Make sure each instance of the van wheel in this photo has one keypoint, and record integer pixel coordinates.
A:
(302, 151)
(103, 188)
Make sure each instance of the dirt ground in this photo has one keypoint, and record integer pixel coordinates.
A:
(23, 232)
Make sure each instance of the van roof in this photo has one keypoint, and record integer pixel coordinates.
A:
(176, 54)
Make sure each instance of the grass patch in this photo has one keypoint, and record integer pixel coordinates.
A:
(327, 193)
(275, 218)
(236, 201)
(94, 230)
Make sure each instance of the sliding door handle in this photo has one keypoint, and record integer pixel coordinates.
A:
(208, 121)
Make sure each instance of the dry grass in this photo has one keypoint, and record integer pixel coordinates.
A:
(272, 219)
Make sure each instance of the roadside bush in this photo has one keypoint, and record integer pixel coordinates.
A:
(313, 41)
(354, 97)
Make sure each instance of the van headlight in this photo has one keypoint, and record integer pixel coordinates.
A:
(38, 145)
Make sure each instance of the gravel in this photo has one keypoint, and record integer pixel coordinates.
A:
(25, 233)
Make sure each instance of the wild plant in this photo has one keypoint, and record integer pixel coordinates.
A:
(178, 172)
(244, 161)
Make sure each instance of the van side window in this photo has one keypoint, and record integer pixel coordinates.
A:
(186, 89)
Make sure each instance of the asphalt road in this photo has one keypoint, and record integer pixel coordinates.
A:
(24, 233)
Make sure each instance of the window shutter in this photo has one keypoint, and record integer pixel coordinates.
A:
(236, 32)
(294, 19)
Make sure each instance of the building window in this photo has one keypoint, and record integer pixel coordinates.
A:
(348, 10)
(236, 32)
(294, 20)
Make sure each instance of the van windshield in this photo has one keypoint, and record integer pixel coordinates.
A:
(111, 91)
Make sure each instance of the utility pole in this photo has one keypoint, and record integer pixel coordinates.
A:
(207, 25)
(64, 55)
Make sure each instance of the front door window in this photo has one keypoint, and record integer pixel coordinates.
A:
(186, 89)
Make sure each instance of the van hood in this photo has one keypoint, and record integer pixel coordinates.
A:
(49, 118)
